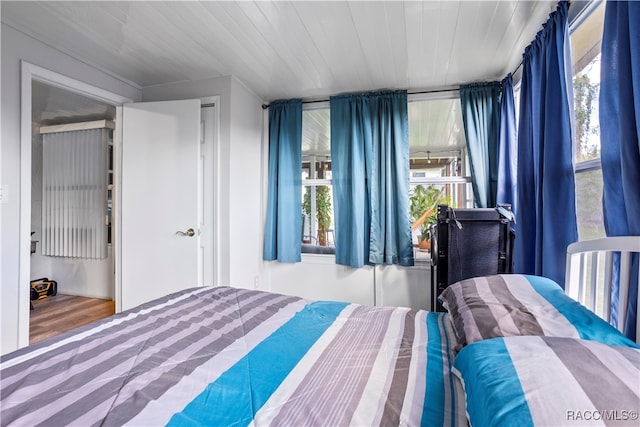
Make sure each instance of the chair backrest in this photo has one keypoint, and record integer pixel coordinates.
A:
(469, 243)
(586, 283)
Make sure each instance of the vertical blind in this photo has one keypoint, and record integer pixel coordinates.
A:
(74, 202)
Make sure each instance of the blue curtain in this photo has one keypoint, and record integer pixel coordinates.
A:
(282, 239)
(620, 130)
(546, 216)
(507, 148)
(370, 177)
(481, 117)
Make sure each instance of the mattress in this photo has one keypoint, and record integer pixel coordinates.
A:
(226, 356)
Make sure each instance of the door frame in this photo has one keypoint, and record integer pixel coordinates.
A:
(212, 209)
(30, 72)
(205, 101)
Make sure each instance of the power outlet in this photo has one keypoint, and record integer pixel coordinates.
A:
(256, 282)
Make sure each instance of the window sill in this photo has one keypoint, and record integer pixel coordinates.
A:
(318, 250)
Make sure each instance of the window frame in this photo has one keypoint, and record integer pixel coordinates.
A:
(595, 164)
(317, 182)
(583, 16)
(464, 178)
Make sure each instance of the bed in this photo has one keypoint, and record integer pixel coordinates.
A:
(226, 356)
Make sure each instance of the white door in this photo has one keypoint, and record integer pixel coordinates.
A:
(159, 211)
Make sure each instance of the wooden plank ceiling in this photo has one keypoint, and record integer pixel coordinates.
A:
(288, 49)
(308, 49)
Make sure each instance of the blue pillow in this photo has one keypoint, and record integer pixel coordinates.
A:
(549, 381)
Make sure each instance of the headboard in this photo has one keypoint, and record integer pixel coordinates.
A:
(586, 261)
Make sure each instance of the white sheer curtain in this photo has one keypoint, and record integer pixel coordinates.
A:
(74, 205)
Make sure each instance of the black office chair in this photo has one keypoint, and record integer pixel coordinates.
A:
(468, 243)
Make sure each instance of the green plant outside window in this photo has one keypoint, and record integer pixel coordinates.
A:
(323, 210)
(423, 208)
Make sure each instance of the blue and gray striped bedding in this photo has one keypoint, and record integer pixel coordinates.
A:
(225, 356)
(549, 381)
(514, 305)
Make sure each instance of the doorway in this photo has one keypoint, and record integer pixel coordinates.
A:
(90, 279)
(206, 166)
(51, 96)
(86, 276)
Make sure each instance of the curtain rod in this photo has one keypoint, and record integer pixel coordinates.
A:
(520, 64)
(265, 106)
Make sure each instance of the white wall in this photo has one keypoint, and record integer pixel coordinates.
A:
(92, 278)
(16, 47)
(404, 286)
(246, 218)
(318, 277)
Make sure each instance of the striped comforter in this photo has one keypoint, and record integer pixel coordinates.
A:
(226, 356)
(550, 381)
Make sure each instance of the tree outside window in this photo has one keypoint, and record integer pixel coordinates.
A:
(586, 90)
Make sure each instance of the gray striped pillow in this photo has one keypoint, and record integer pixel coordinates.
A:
(513, 305)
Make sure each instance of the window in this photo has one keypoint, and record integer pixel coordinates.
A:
(438, 162)
(586, 38)
(317, 194)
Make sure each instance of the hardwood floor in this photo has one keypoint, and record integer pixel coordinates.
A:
(61, 313)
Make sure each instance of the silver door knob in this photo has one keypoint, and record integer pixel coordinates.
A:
(190, 232)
